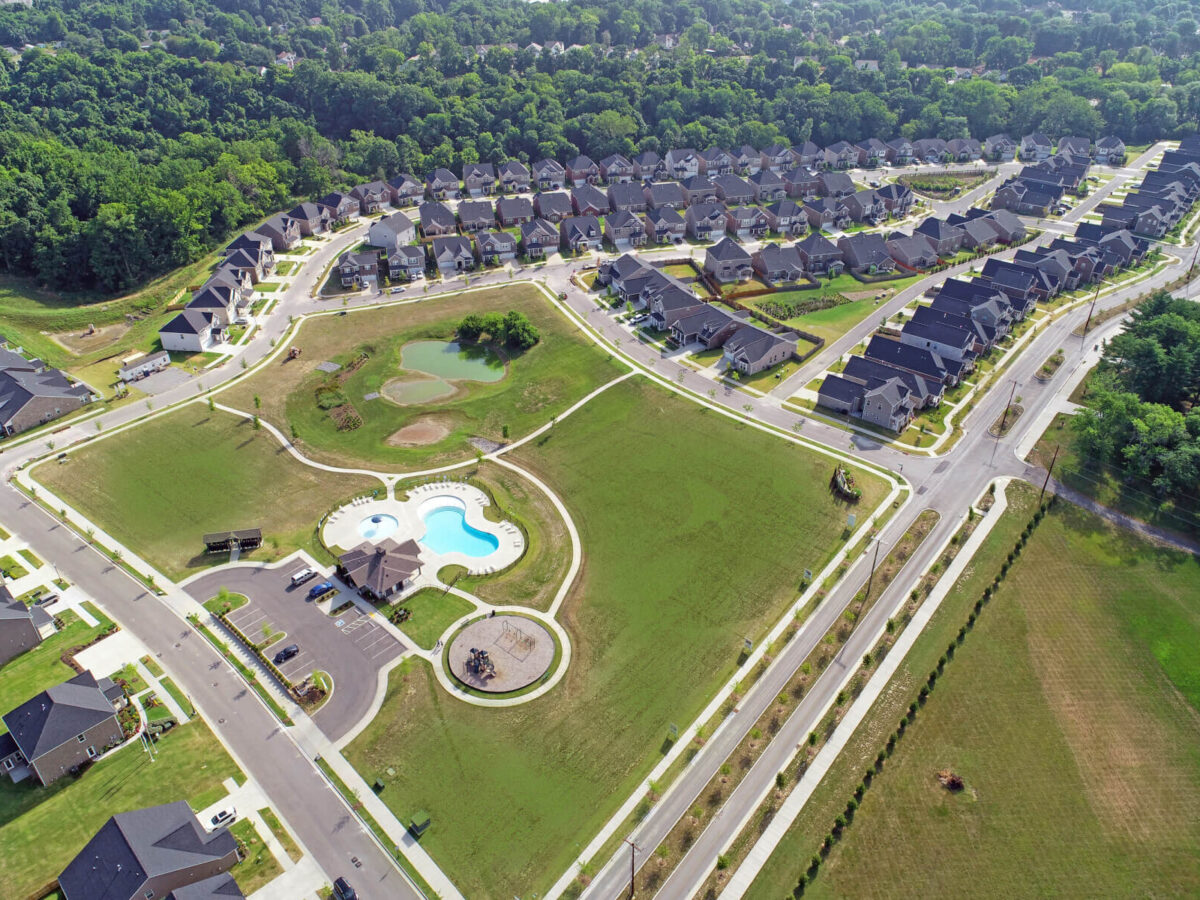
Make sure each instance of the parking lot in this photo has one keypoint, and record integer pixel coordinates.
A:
(350, 646)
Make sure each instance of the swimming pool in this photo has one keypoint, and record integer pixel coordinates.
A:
(378, 526)
(447, 531)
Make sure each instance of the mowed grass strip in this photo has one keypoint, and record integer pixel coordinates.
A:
(160, 486)
(696, 531)
(540, 383)
(1071, 714)
(433, 611)
(44, 828)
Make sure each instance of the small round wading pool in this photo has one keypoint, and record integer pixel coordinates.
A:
(378, 526)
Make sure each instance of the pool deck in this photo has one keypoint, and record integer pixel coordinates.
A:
(341, 528)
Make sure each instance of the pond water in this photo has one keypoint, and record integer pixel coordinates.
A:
(444, 361)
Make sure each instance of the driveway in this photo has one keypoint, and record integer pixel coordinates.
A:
(166, 380)
(350, 646)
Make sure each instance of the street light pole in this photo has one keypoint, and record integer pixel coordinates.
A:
(1049, 472)
(1004, 418)
(632, 865)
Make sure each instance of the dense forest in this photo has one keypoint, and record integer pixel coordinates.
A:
(1142, 415)
(134, 134)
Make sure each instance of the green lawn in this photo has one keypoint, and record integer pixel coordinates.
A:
(697, 531)
(539, 383)
(46, 827)
(258, 865)
(281, 833)
(173, 689)
(160, 486)
(40, 668)
(433, 611)
(11, 568)
(134, 683)
(30, 557)
(1071, 714)
(226, 602)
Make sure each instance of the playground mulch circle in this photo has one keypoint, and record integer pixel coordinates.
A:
(519, 650)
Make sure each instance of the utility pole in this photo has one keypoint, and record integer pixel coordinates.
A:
(1088, 323)
(1191, 269)
(871, 577)
(1049, 472)
(1004, 418)
(632, 865)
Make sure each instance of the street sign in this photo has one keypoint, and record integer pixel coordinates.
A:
(808, 574)
(850, 520)
(673, 731)
(749, 644)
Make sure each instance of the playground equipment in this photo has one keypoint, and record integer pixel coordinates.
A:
(514, 633)
(480, 664)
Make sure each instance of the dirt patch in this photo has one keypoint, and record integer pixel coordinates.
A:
(425, 430)
(80, 342)
(868, 295)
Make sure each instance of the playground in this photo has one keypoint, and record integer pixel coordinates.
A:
(498, 654)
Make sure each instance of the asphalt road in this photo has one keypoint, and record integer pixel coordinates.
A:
(311, 808)
(349, 646)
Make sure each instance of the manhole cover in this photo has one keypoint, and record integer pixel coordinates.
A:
(391, 772)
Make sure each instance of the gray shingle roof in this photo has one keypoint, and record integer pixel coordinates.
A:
(57, 715)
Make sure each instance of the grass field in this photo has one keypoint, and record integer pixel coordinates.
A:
(40, 668)
(835, 321)
(1071, 714)
(159, 487)
(720, 532)
(46, 827)
(540, 382)
(257, 865)
(281, 834)
(433, 611)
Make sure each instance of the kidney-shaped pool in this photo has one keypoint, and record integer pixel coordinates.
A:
(447, 531)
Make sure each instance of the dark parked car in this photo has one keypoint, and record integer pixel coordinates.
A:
(286, 653)
(320, 590)
(343, 891)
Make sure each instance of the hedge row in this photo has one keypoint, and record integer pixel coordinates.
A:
(253, 648)
(846, 817)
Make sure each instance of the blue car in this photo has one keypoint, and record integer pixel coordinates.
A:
(320, 590)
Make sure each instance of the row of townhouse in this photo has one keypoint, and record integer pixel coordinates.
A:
(1108, 150)
(1039, 188)
(1163, 197)
(897, 376)
(675, 308)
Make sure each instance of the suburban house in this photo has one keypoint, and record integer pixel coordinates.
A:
(964, 149)
(589, 200)
(143, 365)
(802, 184)
(406, 263)
(820, 255)
(158, 852)
(310, 218)
(251, 264)
(727, 260)
(778, 265)
(452, 254)
(665, 194)
(549, 175)
(885, 402)
(899, 152)
(897, 199)
(715, 161)
(827, 212)
(747, 160)
(698, 189)
(871, 152)
(1035, 146)
(32, 393)
(681, 164)
(931, 150)
(537, 237)
(866, 206)
(1110, 151)
(283, 230)
(999, 147)
(479, 179)
(513, 177)
(746, 222)
(442, 184)
(786, 217)
(407, 190)
(664, 225)
(392, 232)
(192, 331)
(340, 206)
(554, 206)
(580, 233)
(1024, 198)
(946, 239)
(476, 215)
(615, 169)
(62, 728)
(624, 229)
(495, 247)
(668, 303)
(626, 196)
(836, 185)
(839, 155)
(807, 155)
(437, 219)
(257, 245)
(581, 170)
(866, 253)
(768, 187)
(925, 392)
(1078, 147)
(218, 299)
(358, 268)
(21, 627)
(926, 363)
(371, 196)
(775, 158)
(750, 350)
(984, 336)
(912, 251)
(708, 326)
(649, 166)
(733, 190)
(943, 340)
(512, 211)
(705, 221)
